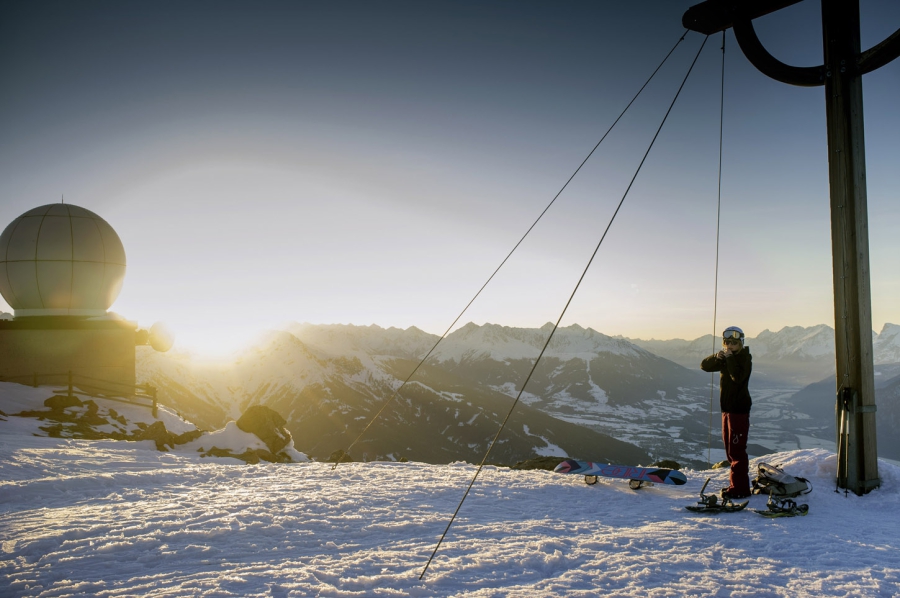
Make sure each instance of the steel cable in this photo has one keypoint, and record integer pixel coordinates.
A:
(568, 302)
(491, 277)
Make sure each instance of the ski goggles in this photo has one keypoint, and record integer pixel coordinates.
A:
(731, 334)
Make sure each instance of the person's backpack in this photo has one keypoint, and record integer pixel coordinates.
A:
(774, 481)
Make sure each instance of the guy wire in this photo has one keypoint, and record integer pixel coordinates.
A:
(491, 277)
(716, 285)
(571, 296)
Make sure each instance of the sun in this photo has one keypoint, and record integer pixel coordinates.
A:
(214, 342)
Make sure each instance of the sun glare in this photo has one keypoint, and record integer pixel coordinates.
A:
(215, 343)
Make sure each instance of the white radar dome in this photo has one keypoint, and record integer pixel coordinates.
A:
(60, 260)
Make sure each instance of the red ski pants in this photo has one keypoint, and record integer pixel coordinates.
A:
(735, 427)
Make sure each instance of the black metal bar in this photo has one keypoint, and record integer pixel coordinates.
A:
(878, 56)
(714, 16)
(756, 53)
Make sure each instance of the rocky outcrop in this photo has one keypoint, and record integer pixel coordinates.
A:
(60, 402)
(164, 439)
(72, 417)
(258, 436)
(267, 425)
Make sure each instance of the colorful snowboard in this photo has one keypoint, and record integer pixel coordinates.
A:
(639, 474)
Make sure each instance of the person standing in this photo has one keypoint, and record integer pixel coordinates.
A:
(734, 363)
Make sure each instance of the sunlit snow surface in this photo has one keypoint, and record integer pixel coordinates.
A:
(106, 518)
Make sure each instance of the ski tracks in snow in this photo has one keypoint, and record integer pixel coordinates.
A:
(121, 519)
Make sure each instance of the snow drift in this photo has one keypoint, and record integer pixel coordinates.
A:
(112, 518)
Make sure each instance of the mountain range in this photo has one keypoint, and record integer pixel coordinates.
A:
(592, 396)
(793, 356)
(329, 382)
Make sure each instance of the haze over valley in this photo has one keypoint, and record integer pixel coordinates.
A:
(592, 396)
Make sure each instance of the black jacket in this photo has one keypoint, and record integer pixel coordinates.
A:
(734, 394)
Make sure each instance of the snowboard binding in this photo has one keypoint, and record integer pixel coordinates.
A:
(783, 508)
(712, 503)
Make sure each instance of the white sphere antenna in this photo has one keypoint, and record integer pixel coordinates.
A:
(60, 260)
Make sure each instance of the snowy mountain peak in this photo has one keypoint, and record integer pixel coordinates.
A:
(887, 344)
(796, 341)
(343, 339)
(504, 343)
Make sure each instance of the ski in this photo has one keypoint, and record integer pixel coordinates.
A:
(638, 477)
(712, 504)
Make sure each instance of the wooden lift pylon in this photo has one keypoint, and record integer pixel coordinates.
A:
(841, 75)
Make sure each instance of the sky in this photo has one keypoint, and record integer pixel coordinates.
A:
(373, 162)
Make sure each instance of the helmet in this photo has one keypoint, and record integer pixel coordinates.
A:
(733, 332)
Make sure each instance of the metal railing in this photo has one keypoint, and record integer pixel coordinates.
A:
(142, 395)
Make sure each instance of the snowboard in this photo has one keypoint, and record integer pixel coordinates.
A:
(638, 476)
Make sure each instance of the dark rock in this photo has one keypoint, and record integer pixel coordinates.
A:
(60, 402)
(92, 416)
(113, 414)
(217, 452)
(157, 432)
(546, 463)
(267, 425)
(188, 436)
(53, 431)
(276, 458)
(264, 455)
(666, 464)
(251, 457)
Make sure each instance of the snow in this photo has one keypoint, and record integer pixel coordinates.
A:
(115, 518)
(887, 344)
(815, 341)
(16, 398)
(505, 344)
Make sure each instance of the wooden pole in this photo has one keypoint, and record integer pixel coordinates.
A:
(858, 465)
(842, 77)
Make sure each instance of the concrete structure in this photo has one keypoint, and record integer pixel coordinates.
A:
(43, 350)
(61, 268)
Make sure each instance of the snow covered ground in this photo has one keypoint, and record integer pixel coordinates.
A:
(115, 518)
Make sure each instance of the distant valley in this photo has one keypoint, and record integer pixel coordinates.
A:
(592, 396)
